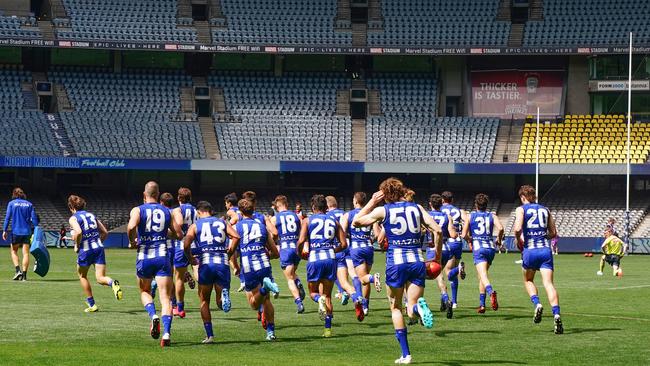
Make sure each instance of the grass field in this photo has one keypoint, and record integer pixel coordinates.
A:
(606, 320)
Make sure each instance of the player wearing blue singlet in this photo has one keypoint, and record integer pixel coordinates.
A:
(186, 214)
(534, 227)
(208, 235)
(317, 244)
(479, 227)
(256, 249)
(403, 222)
(150, 225)
(87, 234)
(343, 270)
(285, 227)
(23, 219)
(448, 233)
(167, 200)
(455, 267)
(233, 216)
(362, 255)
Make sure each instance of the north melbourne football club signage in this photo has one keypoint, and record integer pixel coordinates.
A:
(618, 85)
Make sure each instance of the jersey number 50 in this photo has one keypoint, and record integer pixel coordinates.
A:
(404, 218)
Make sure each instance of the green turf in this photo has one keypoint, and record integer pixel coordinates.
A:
(606, 319)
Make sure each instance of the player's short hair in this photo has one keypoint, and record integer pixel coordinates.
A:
(318, 203)
(246, 206)
(204, 206)
(75, 202)
(18, 193)
(481, 201)
(435, 201)
(151, 189)
(361, 198)
(528, 192)
(231, 198)
(184, 195)
(280, 199)
(331, 201)
(409, 195)
(167, 200)
(447, 196)
(393, 189)
(250, 195)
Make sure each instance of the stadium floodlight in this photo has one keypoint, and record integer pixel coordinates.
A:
(627, 173)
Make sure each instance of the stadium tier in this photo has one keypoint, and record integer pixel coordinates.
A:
(586, 139)
(288, 118)
(128, 115)
(283, 22)
(123, 20)
(440, 23)
(25, 127)
(589, 23)
(11, 26)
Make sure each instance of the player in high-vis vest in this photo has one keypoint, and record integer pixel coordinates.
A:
(317, 234)
(214, 241)
(285, 226)
(362, 256)
(256, 249)
(150, 225)
(87, 234)
(479, 228)
(534, 227)
(403, 223)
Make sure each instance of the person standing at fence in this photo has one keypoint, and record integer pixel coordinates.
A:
(61, 242)
(22, 217)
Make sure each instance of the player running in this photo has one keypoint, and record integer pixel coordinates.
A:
(23, 219)
(233, 216)
(285, 225)
(148, 230)
(534, 226)
(613, 251)
(478, 228)
(316, 242)
(361, 254)
(455, 266)
(346, 290)
(402, 222)
(87, 234)
(186, 215)
(255, 249)
(208, 235)
(448, 233)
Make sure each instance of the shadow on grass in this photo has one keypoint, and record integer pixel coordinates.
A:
(444, 333)
(588, 330)
(471, 362)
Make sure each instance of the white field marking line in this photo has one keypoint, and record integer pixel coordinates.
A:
(51, 283)
(581, 287)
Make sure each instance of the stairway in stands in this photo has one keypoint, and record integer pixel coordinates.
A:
(206, 124)
(29, 98)
(506, 149)
(60, 134)
(505, 10)
(359, 140)
(343, 18)
(516, 36)
(374, 103)
(536, 10)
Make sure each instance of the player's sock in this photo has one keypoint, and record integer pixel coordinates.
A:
(167, 324)
(174, 303)
(535, 300)
(489, 290)
(90, 301)
(328, 321)
(444, 297)
(402, 338)
(110, 282)
(315, 297)
(454, 290)
(208, 329)
(357, 285)
(297, 282)
(270, 327)
(17, 269)
(453, 273)
(415, 310)
(371, 279)
(556, 310)
(151, 309)
(180, 306)
(263, 291)
(481, 298)
(338, 285)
